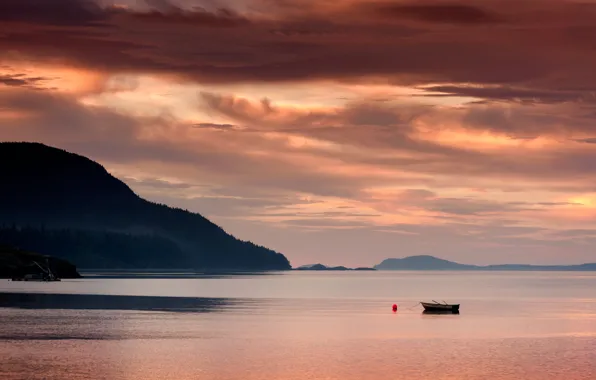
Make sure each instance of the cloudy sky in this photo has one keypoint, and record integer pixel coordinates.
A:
(341, 132)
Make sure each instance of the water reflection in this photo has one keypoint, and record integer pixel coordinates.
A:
(112, 302)
(431, 312)
(178, 274)
(334, 326)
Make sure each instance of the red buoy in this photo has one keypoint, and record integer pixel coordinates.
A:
(394, 307)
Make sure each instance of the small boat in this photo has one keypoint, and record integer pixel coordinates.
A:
(437, 307)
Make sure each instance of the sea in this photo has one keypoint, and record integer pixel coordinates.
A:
(300, 325)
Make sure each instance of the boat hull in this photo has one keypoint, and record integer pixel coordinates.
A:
(440, 308)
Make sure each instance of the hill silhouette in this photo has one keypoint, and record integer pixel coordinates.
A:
(66, 205)
(321, 267)
(426, 262)
(422, 262)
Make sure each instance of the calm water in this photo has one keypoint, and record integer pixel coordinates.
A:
(301, 326)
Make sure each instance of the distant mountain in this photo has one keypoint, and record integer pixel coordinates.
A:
(425, 262)
(526, 267)
(320, 267)
(18, 263)
(59, 203)
(420, 263)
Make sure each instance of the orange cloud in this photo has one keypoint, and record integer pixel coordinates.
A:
(398, 122)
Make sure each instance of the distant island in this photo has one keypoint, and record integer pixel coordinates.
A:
(65, 205)
(321, 267)
(17, 263)
(425, 262)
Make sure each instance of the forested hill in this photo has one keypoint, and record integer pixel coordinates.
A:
(65, 205)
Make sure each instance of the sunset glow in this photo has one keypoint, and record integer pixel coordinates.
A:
(299, 124)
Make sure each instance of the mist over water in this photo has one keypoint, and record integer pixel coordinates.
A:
(301, 325)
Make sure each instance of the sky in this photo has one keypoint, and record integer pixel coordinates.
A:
(341, 132)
